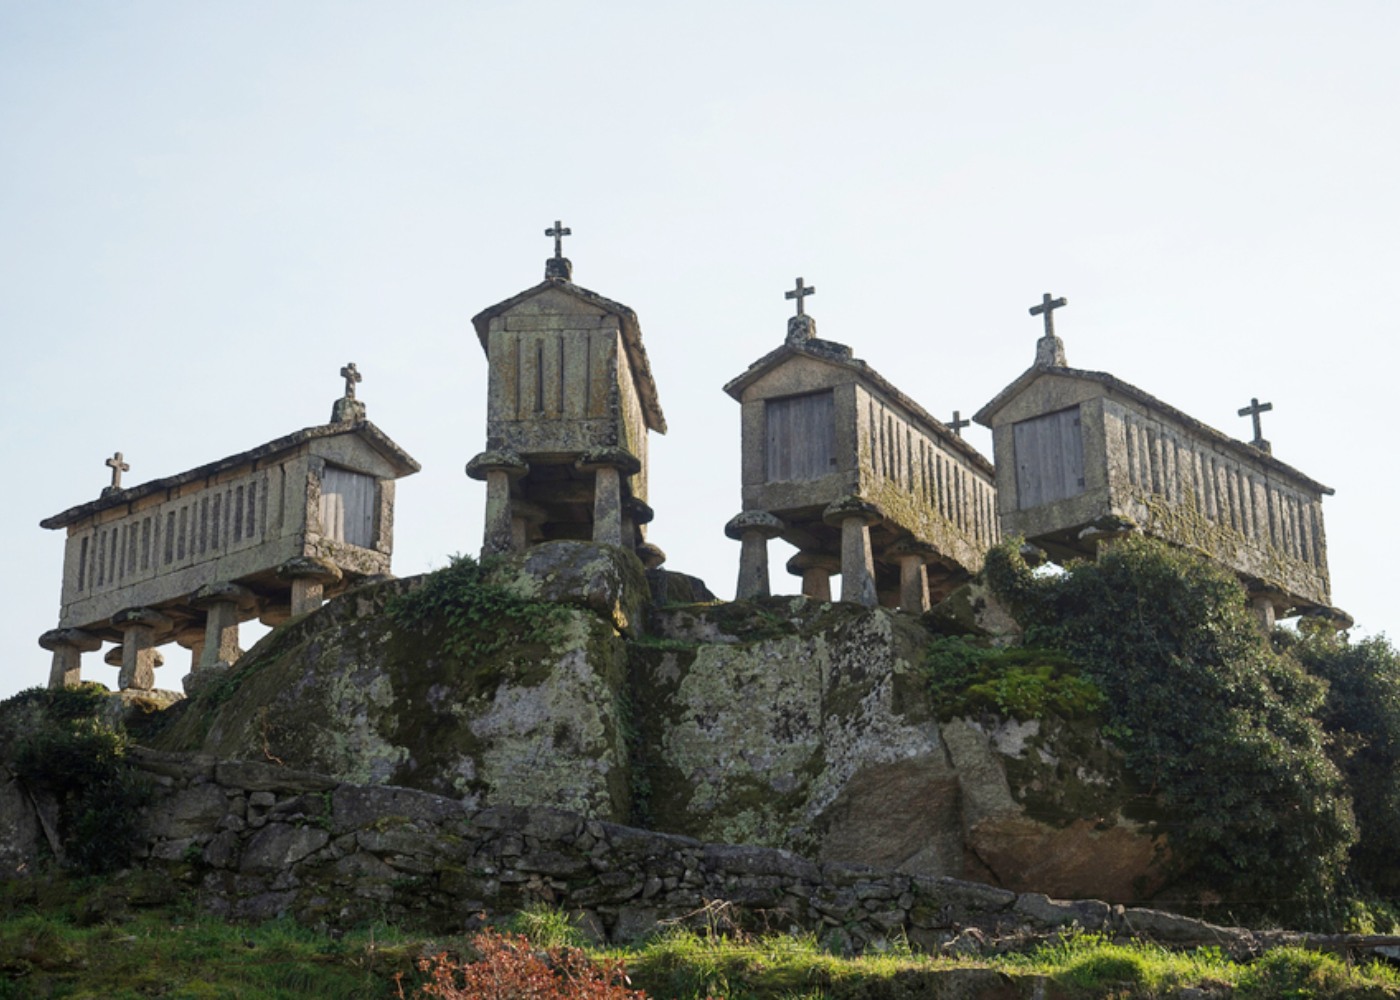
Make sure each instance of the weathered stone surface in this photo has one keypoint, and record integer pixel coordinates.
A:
(277, 846)
(346, 693)
(605, 579)
(190, 811)
(21, 836)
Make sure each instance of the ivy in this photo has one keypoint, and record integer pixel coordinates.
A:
(479, 618)
(1208, 714)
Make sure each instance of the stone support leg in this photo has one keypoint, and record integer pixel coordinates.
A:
(500, 534)
(68, 646)
(753, 566)
(913, 584)
(607, 505)
(857, 563)
(221, 634)
(308, 594)
(1263, 607)
(138, 671)
(816, 583)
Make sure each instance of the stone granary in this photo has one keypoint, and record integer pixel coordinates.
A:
(267, 533)
(570, 400)
(857, 476)
(1082, 456)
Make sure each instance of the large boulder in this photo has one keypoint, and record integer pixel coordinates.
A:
(347, 692)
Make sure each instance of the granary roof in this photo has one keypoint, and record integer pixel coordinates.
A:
(631, 339)
(403, 463)
(840, 355)
(984, 416)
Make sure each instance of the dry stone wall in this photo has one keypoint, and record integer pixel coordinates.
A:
(255, 840)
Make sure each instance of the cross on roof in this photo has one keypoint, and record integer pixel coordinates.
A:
(351, 374)
(1048, 306)
(1253, 410)
(559, 231)
(117, 466)
(957, 423)
(799, 293)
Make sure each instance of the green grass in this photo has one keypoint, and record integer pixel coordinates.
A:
(183, 957)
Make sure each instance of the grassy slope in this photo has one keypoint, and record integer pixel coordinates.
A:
(171, 953)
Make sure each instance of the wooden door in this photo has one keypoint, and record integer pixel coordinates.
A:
(1049, 458)
(800, 437)
(348, 500)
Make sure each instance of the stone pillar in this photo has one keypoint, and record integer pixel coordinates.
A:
(139, 628)
(635, 513)
(753, 528)
(855, 517)
(308, 576)
(609, 466)
(913, 556)
(1265, 605)
(498, 469)
(815, 569)
(223, 604)
(191, 637)
(68, 646)
(525, 517)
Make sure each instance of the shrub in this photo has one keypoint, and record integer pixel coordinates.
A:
(479, 618)
(1362, 715)
(1207, 713)
(69, 752)
(1023, 683)
(510, 968)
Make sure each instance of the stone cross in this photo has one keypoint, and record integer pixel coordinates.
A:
(117, 466)
(559, 232)
(351, 374)
(1253, 410)
(799, 293)
(1048, 306)
(957, 423)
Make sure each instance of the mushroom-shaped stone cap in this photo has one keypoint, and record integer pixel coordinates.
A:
(58, 638)
(114, 657)
(803, 561)
(759, 521)
(148, 617)
(497, 461)
(839, 510)
(223, 593)
(651, 555)
(638, 511)
(610, 458)
(309, 568)
(905, 547)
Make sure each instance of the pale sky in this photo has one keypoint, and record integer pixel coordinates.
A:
(207, 208)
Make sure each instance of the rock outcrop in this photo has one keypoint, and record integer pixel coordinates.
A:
(779, 722)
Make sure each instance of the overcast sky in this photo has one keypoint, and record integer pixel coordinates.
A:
(207, 208)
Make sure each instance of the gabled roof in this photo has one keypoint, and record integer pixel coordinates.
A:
(631, 338)
(403, 463)
(839, 355)
(984, 416)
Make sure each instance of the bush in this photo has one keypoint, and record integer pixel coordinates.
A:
(1022, 683)
(510, 968)
(70, 753)
(1362, 715)
(1207, 713)
(479, 617)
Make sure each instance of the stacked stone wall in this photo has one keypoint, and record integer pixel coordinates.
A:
(255, 840)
